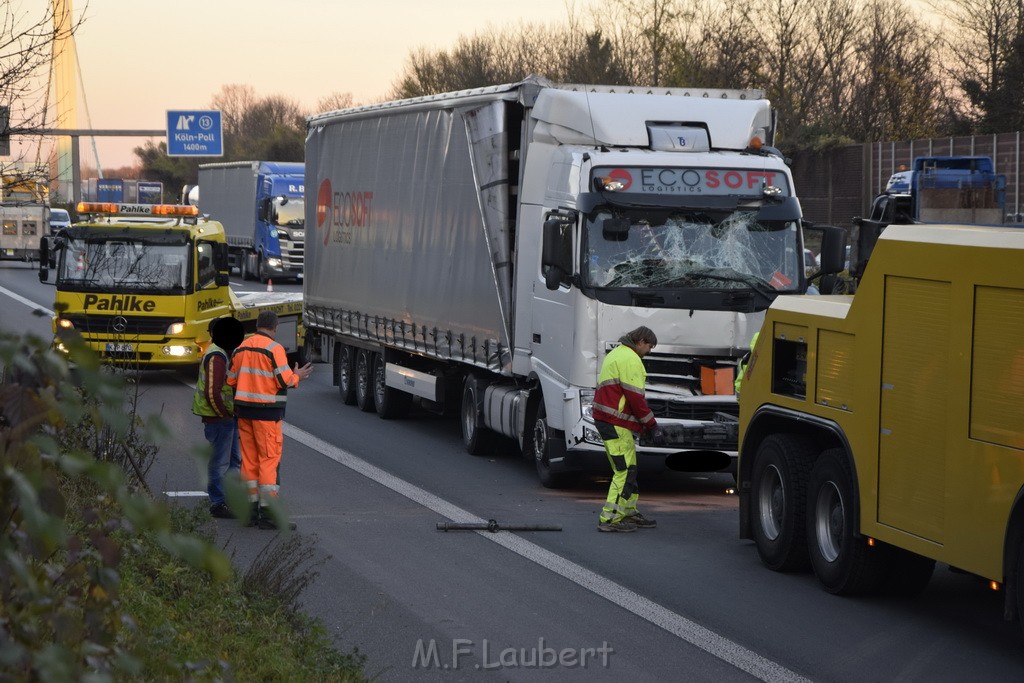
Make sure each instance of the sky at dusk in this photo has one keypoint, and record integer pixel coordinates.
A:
(140, 58)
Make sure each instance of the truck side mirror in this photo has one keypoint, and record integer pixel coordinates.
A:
(44, 258)
(833, 249)
(221, 260)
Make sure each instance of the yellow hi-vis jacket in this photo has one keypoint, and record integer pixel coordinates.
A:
(619, 399)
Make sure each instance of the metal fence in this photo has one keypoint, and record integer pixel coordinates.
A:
(836, 185)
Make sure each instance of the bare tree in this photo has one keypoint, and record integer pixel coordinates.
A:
(897, 93)
(334, 102)
(984, 46)
(28, 33)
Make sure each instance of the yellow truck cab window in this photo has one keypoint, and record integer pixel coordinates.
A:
(206, 271)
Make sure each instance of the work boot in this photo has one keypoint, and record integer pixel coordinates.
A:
(254, 515)
(621, 526)
(221, 511)
(266, 521)
(641, 521)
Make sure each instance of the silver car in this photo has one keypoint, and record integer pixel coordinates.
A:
(59, 219)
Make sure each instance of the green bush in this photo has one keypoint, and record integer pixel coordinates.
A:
(99, 581)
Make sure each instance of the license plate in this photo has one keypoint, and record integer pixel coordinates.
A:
(120, 348)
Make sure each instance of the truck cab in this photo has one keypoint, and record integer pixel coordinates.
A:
(140, 283)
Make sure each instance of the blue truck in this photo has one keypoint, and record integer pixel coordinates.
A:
(962, 190)
(944, 189)
(261, 205)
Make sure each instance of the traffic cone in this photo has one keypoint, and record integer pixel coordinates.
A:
(270, 285)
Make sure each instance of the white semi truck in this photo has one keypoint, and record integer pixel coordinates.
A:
(483, 250)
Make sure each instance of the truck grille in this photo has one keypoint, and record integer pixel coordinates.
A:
(134, 325)
(691, 410)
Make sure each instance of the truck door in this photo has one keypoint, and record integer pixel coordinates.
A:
(913, 416)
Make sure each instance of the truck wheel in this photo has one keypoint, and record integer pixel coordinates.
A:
(345, 370)
(364, 380)
(778, 507)
(477, 439)
(547, 444)
(261, 276)
(843, 563)
(391, 403)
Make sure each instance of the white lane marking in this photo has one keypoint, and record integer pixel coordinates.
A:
(27, 302)
(185, 494)
(679, 626)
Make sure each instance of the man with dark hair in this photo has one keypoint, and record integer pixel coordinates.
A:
(213, 401)
(261, 378)
(620, 411)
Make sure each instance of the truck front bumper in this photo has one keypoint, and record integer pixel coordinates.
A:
(162, 353)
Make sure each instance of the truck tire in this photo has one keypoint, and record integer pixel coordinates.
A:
(477, 439)
(261, 276)
(778, 505)
(547, 444)
(345, 371)
(843, 563)
(391, 403)
(364, 380)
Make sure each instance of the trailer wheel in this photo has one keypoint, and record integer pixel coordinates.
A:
(364, 380)
(243, 267)
(477, 439)
(547, 446)
(345, 370)
(843, 563)
(391, 403)
(778, 506)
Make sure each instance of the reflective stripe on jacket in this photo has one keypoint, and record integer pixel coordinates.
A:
(261, 378)
(204, 402)
(619, 399)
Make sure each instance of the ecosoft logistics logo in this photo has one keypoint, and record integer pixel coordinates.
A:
(337, 213)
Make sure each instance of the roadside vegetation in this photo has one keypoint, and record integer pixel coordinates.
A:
(99, 580)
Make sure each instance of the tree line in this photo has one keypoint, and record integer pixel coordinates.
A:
(837, 71)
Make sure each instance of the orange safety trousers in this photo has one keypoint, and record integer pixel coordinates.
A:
(261, 442)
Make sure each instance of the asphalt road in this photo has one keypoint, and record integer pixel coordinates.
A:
(685, 601)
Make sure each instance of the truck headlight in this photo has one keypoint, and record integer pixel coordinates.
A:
(178, 350)
(587, 404)
(274, 262)
(175, 328)
(65, 324)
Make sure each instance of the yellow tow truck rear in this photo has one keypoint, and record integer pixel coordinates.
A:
(140, 283)
(884, 431)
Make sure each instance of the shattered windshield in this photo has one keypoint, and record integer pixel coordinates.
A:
(690, 249)
(290, 214)
(127, 264)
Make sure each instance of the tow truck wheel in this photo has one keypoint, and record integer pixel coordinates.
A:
(778, 505)
(345, 362)
(391, 403)
(477, 439)
(843, 563)
(546, 446)
(364, 380)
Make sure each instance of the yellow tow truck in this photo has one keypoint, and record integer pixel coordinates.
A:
(884, 431)
(141, 282)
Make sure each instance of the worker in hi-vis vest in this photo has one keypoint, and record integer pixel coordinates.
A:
(261, 378)
(620, 411)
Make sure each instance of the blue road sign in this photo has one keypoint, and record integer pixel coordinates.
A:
(194, 134)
